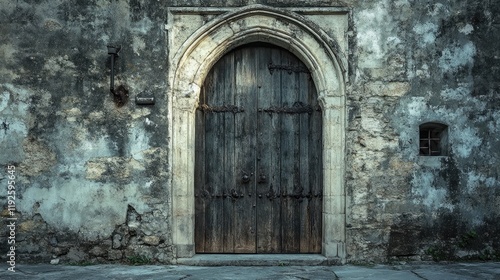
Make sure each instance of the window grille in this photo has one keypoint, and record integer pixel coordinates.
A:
(433, 139)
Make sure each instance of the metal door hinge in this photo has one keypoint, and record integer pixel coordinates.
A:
(289, 68)
(220, 109)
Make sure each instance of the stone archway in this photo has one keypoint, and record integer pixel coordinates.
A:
(188, 69)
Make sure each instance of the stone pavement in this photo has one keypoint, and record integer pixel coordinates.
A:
(452, 271)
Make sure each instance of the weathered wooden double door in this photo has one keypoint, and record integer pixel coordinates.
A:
(258, 185)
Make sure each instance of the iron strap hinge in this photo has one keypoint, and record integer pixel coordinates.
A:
(220, 109)
(288, 68)
(297, 108)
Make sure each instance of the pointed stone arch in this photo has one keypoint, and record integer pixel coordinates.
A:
(189, 66)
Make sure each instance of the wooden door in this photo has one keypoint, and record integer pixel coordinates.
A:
(258, 174)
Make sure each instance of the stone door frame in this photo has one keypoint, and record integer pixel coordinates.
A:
(190, 62)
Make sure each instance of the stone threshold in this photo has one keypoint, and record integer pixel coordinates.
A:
(258, 260)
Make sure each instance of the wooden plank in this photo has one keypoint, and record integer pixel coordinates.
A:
(229, 161)
(268, 208)
(289, 157)
(304, 163)
(276, 162)
(245, 96)
(214, 162)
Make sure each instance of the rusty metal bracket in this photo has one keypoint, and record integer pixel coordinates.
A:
(289, 68)
(220, 109)
(297, 108)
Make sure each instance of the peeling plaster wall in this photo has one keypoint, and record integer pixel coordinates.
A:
(83, 163)
(93, 178)
(414, 63)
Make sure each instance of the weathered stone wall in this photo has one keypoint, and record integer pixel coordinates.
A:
(415, 62)
(93, 176)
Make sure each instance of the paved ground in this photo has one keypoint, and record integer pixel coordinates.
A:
(455, 271)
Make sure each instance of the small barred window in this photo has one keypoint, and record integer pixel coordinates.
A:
(433, 139)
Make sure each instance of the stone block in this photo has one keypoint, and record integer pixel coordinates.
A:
(117, 241)
(115, 255)
(98, 251)
(151, 240)
(75, 255)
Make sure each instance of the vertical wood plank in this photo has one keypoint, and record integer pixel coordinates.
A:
(304, 164)
(245, 97)
(227, 65)
(214, 161)
(289, 156)
(268, 148)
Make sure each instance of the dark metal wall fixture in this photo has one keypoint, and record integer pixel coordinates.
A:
(144, 100)
(113, 51)
(121, 94)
